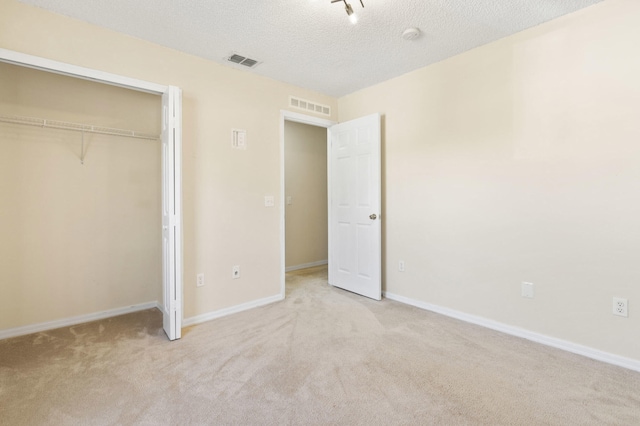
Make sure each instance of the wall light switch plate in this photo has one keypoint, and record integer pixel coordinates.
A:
(200, 280)
(289, 199)
(527, 290)
(269, 201)
(239, 139)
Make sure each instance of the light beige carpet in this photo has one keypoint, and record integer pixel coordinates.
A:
(322, 356)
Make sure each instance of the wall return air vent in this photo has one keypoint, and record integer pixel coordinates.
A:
(243, 60)
(309, 106)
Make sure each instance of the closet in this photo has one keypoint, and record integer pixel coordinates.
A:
(80, 197)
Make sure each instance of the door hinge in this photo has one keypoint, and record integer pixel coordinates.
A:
(165, 118)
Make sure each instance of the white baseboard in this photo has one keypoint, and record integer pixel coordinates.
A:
(589, 352)
(198, 319)
(306, 265)
(66, 322)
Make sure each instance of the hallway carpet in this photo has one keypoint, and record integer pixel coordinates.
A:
(321, 356)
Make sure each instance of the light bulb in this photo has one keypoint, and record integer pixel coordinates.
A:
(352, 16)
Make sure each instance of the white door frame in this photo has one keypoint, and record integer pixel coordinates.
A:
(43, 64)
(312, 121)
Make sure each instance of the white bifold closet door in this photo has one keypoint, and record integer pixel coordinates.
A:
(171, 214)
(355, 242)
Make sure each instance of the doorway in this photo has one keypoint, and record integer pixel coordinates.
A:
(306, 206)
(300, 124)
(354, 198)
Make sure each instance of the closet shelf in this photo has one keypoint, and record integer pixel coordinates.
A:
(41, 122)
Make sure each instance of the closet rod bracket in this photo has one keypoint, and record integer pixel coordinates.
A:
(82, 149)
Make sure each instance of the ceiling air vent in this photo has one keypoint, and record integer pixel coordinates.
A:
(242, 60)
(309, 106)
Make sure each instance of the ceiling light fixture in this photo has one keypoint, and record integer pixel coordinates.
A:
(347, 7)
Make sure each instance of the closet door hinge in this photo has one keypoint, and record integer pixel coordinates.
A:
(164, 117)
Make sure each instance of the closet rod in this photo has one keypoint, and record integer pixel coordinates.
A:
(41, 122)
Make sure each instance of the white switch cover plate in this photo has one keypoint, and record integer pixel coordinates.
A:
(239, 139)
(527, 290)
(269, 201)
(289, 199)
(200, 280)
(401, 266)
(235, 272)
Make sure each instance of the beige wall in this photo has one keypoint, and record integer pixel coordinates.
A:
(225, 221)
(306, 183)
(518, 161)
(76, 239)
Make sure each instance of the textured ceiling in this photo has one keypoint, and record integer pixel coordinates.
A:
(311, 43)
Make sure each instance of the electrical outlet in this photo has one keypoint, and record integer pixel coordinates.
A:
(401, 266)
(200, 280)
(527, 290)
(235, 272)
(620, 307)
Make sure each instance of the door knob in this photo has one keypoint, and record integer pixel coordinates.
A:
(373, 216)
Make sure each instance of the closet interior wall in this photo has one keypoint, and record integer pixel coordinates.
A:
(76, 238)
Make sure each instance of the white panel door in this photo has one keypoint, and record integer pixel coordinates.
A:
(172, 212)
(354, 206)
